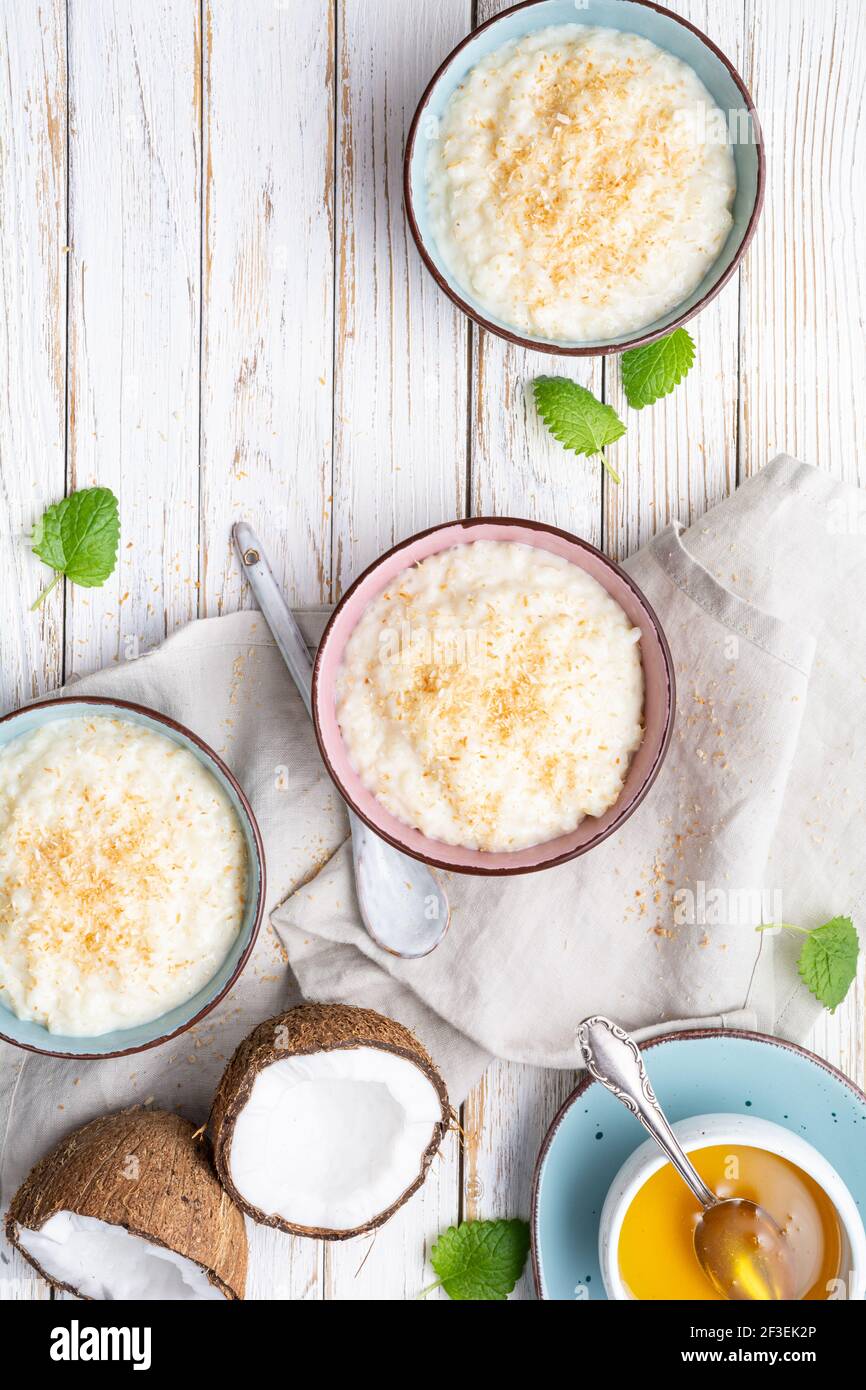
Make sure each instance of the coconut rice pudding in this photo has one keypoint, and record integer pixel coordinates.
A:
(492, 696)
(123, 873)
(581, 184)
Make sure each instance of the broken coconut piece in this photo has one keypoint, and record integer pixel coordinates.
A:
(326, 1120)
(129, 1207)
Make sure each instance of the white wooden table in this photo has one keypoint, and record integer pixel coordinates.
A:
(211, 304)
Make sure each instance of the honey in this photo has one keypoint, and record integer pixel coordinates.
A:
(657, 1257)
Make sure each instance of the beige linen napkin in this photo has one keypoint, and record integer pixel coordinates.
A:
(657, 925)
(756, 815)
(760, 791)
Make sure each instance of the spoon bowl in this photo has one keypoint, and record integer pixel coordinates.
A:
(402, 905)
(743, 1252)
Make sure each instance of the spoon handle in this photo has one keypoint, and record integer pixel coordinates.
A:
(275, 610)
(614, 1059)
(403, 907)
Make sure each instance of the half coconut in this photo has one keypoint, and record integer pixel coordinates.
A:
(326, 1120)
(129, 1207)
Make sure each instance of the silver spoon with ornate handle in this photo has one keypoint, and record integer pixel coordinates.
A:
(742, 1250)
(403, 906)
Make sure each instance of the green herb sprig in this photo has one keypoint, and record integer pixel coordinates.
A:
(586, 425)
(828, 961)
(650, 372)
(577, 418)
(480, 1261)
(78, 537)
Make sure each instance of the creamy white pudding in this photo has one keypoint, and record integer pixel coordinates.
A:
(492, 696)
(123, 873)
(581, 183)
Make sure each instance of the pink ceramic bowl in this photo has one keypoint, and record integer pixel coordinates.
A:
(659, 703)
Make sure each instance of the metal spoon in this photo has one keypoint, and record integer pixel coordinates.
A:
(741, 1249)
(403, 906)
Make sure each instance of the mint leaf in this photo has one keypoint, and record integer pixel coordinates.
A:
(480, 1260)
(653, 371)
(828, 961)
(577, 418)
(78, 537)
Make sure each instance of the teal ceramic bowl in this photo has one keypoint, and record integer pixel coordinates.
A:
(667, 31)
(33, 1036)
(702, 1071)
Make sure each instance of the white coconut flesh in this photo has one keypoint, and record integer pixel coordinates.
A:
(106, 1262)
(331, 1140)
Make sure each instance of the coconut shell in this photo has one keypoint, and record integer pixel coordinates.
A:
(307, 1029)
(174, 1201)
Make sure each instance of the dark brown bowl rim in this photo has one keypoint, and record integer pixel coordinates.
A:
(205, 748)
(685, 1035)
(447, 866)
(641, 340)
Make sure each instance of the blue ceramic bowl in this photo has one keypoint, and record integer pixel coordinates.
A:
(33, 1036)
(667, 31)
(701, 1071)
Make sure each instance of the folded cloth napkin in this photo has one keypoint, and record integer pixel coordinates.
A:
(753, 817)
(758, 801)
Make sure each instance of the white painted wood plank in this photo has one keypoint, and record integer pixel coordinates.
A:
(32, 382)
(400, 433)
(268, 293)
(839, 1037)
(679, 456)
(134, 314)
(517, 468)
(33, 328)
(393, 1264)
(804, 290)
(505, 1120)
(134, 308)
(400, 403)
(18, 1281)
(267, 349)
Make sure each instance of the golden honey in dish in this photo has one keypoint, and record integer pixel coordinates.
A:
(657, 1257)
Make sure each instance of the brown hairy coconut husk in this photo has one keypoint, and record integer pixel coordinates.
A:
(146, 1173)
(322, 1110)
